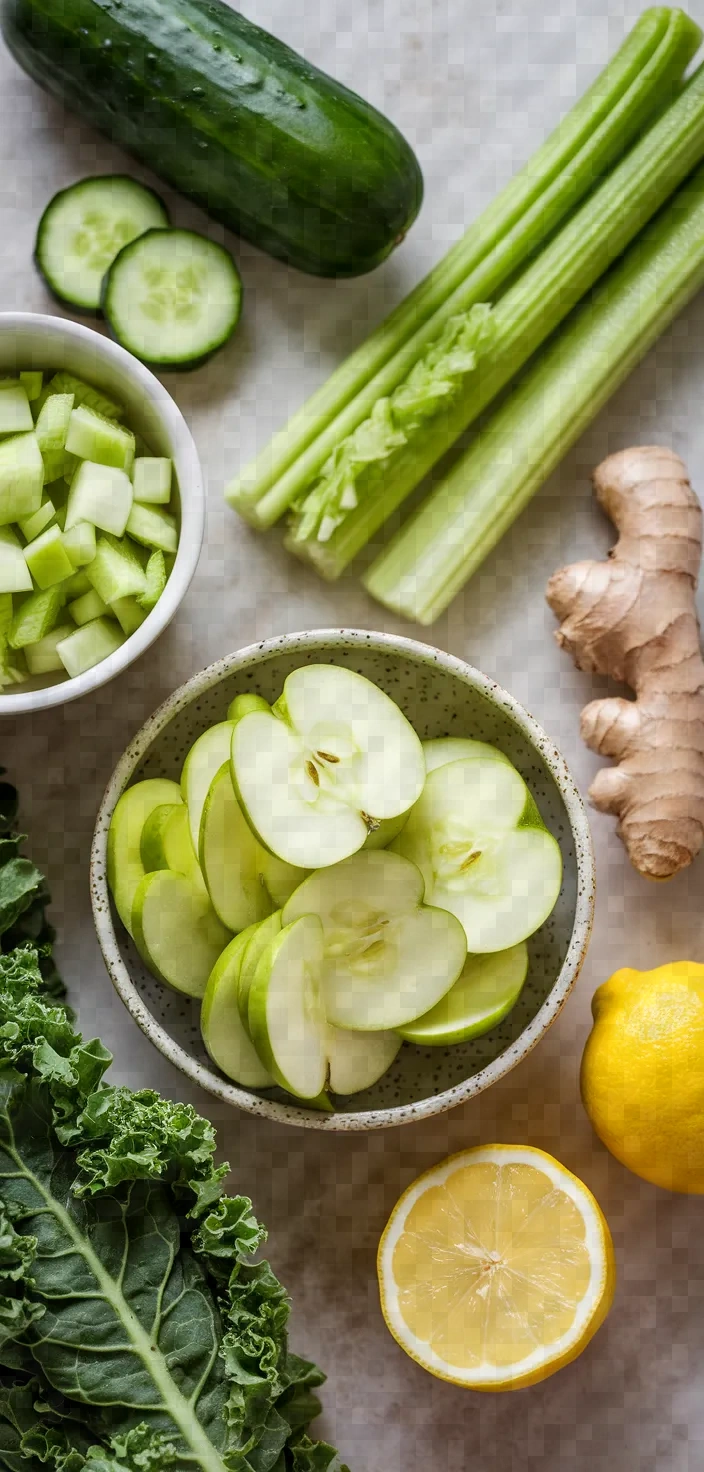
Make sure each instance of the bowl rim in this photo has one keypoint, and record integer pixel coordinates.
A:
(190, 480)
(207, 1078)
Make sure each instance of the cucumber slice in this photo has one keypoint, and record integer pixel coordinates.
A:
(15, 413)
(478, 839)
(356, 1060)
(53, 421)
(82, 230)
(101, 494)
(86, 608)
(261, 936)
(81, 543)
(153, 528)
(42, 658)
(488, 988)
(31, 526)
(176, 931)
(155, 577)
(221, 1026)
(47, 558)
(15, 576)
(444, 749)
(32, 383)
(92, 436)
(172, 298)
(201, 766)
(129, 615)
(151, 480)
(229, 858)
(84, 393)
(388, 957)
(125, 867)
(36, 617)
(286, 1015)
(86, 647)
(21, 477)
(316, 773)
(116, 571)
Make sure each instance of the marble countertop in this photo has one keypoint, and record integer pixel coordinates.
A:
(475, 89)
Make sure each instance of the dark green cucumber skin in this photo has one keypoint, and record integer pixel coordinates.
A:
(235, 120)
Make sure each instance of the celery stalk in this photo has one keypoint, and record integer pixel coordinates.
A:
(428, 562)
(522, 319)
(596, 132)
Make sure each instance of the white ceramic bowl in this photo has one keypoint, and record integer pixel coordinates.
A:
(32, 340)
(441, 696)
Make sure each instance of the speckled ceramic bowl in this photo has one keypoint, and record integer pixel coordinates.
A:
(441, 696)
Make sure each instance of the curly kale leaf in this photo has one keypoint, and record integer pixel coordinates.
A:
(128, 1293)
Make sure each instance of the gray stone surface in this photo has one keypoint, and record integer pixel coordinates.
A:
(475, 88)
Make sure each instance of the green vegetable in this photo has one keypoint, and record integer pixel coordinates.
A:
(237, 121)
(594, 135)
(435, 405)
(428, 562)
(169, 1351)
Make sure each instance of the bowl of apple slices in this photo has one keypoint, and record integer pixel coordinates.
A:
(343, 880)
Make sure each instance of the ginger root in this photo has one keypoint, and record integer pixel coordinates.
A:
(634, 617)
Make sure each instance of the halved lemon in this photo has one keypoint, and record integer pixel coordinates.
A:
(496, 1268)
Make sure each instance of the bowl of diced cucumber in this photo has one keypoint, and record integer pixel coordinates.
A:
(342, 880)
(101, 510)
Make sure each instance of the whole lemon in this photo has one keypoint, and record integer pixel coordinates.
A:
(643, 1073)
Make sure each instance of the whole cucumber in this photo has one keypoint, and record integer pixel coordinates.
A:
(232, 118)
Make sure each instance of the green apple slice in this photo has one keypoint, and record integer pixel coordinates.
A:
(484, 852)
(388, 956)
(444, 749)
(318, 772)
(125, 867)
(221, 1025)
(202, 764)
(243, 705)
(176, 931)
(166, 843)
(356, 1060)
(286, 1013)
(488, 988)
(241, 876)
(261, 936)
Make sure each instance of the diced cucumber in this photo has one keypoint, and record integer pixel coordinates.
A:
(125, 867)
(83, 393)
(47, 558)
(177, 931)
(53, 422)
(92, 436)
(80, 542)
(172, 298)
(59, 465)
(151, 479)
(21, 477)
(15, 576)
(156, 582)
(31, 526)
(76, 586)
(82, 230)
(32, 383)
(153, 527)
(6, 609)
(101, 494)
(128, 613)
(89, 645)
(116, 571)
(15, 413)
(13, 666)
(42, 658)
(36, 617)
(221, 1026)
(84, 609)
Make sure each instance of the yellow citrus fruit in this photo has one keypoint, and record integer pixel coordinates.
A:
(643, 1073)
(496, 1268)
